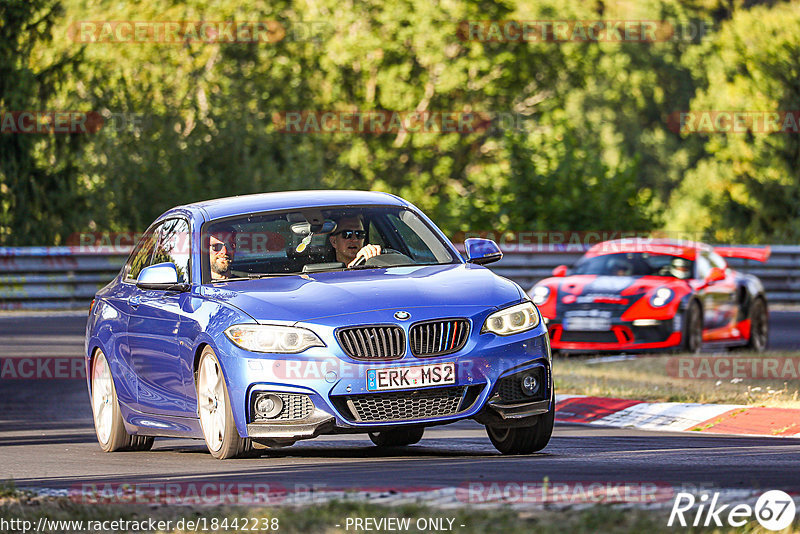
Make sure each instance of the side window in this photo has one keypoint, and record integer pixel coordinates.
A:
(174, 247)
(703, 266)
(143, 254)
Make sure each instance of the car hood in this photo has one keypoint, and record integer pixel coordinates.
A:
(313, 296)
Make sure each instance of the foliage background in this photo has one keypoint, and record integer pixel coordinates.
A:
(592, 149)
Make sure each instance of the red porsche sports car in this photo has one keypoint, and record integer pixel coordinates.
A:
(653, 294)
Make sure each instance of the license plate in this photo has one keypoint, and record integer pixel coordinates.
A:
(437, 374)
(587, 323)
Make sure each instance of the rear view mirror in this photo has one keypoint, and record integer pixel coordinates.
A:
(307, 228)
(560, 271)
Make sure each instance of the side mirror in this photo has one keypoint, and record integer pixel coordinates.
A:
(160, 276)
(560, 271)
(715, 275)
(482, 251)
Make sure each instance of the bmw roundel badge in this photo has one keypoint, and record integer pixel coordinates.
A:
(402, 315)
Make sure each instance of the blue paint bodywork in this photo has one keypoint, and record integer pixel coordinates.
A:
(153, 338)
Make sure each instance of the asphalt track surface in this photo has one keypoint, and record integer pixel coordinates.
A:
(47, 441)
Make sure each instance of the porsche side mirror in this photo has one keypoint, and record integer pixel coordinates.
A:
(482, 251)
(715, 275)
(560, 271)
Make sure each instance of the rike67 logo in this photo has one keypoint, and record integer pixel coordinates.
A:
(774, 510)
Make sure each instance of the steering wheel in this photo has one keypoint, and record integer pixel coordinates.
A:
(361, 260)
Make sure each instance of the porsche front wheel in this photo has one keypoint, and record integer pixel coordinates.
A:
(693, 329)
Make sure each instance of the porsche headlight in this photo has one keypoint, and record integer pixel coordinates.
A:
(513, 320)
(661, 297)
(540, 295)
(273, 338)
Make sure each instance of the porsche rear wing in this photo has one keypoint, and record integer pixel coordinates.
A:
(746, 253)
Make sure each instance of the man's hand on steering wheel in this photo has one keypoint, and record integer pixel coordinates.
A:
(366, 252)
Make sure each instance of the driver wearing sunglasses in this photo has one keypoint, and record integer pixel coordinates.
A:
(348, 241)
(221, 249)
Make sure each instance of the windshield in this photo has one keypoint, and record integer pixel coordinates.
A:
(636, 264)
(316, 240)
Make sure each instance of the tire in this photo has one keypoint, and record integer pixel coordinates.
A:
(214, 406)
(108, 424)
(759, 326)
(397, 438)
(692, 335)
(523, 440)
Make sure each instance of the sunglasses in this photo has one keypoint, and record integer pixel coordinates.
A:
(216, 247)
(349, 234)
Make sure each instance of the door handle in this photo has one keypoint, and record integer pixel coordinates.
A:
(135, 300)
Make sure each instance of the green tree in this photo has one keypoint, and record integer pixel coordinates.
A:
(748, 187)
(591, 133)
(41, 199)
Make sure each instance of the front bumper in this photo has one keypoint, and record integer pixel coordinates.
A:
(336, 384)
(622, 335)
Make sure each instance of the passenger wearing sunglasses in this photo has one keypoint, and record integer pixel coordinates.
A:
(222, 248)
(348, 241)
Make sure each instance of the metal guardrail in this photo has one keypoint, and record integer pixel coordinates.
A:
(51, 278)
(55, 278)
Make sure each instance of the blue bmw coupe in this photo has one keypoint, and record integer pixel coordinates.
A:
(256, 321)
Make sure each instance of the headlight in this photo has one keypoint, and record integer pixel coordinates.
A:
(661, 297)
(540, 294)
(513, 320)
(271, 338)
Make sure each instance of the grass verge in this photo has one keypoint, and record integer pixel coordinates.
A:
(648, 378)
